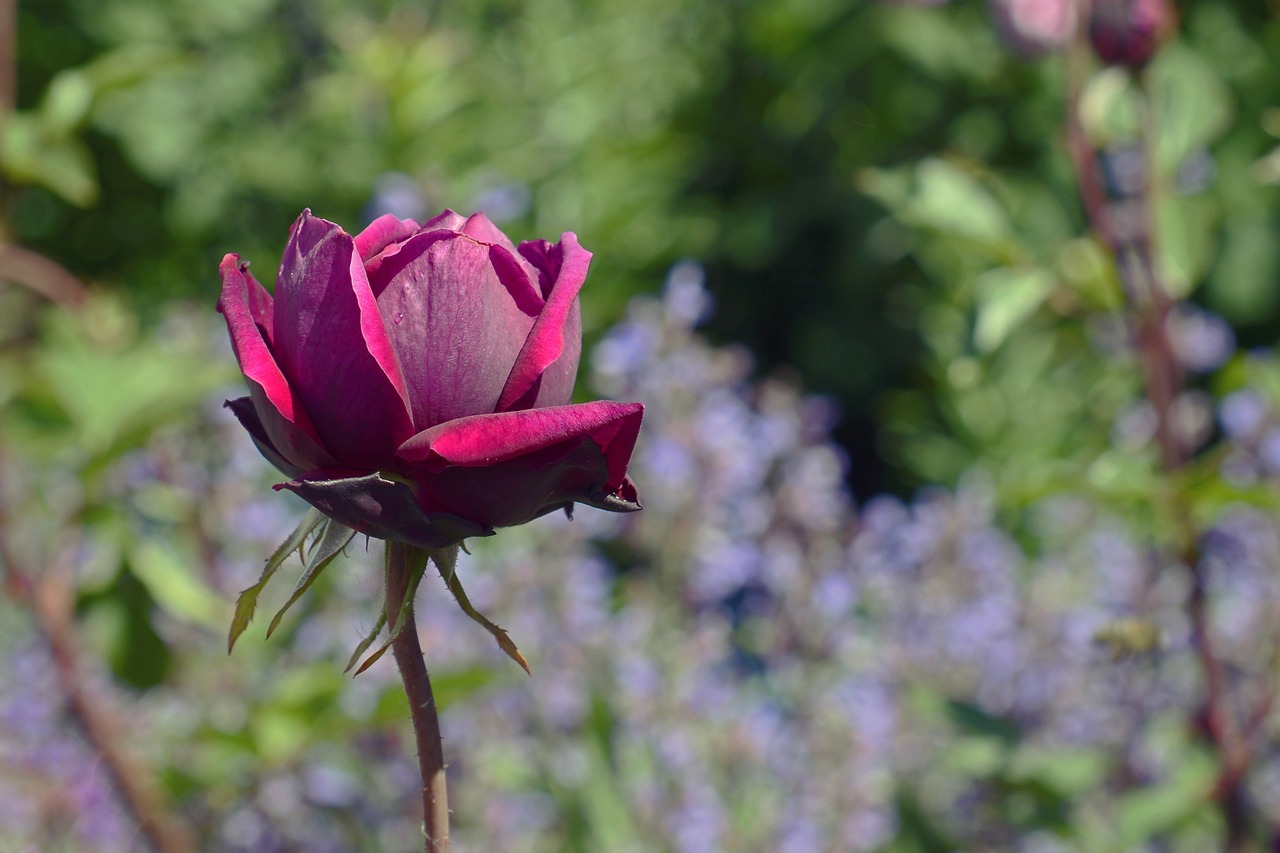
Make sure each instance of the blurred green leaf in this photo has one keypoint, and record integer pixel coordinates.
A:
(939, 196)
(32, 153)
(66, 103)
(170, 577)
(1161, 808)
(1006, 297)
(1193, 106)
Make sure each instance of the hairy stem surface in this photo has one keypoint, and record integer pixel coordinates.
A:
(417, 686)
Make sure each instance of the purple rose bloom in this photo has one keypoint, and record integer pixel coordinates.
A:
(1129, 32)
(415, 380)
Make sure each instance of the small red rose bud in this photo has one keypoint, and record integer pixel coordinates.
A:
(1129, 32)
(1032, 28)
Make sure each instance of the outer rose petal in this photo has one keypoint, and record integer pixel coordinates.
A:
(456, 323)
(556, 333)
(561, 471)
(284, 421)
(534, 437)
(244, 411)
(333, 346)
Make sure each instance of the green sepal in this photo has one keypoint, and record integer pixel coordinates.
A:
(416, 570)
(367, 641)
(446, 562)
(247, 601)
(333, 538)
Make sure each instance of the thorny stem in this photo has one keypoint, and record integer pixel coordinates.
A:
(50, 598)
(422, 703)
(1125, 226)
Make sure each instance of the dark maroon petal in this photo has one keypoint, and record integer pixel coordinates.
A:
(544, 257)
(551, 469)
(486, 440)
(386, 509)
(243, 409)
(281, 413)
(455, 321)
(332, 344)
(556, 336)
(297, 445)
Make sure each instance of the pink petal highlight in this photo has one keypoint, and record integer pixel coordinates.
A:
(381, 233)
(483, 440)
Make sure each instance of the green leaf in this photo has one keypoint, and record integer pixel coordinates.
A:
(1180, 798)
(447, 563)
(167, 574)
(332, 539)
(66, 102)
(248, 599)
(1006, 297)
(62, 164)
(1187, 239)
(1194, 104)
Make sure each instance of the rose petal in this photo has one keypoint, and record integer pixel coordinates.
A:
(448, 220)
(332, 344)
(244, 304)
(455, 321)
(481, 228)
(556, 336)
(485, 440)
(508, 468)
(243, 409)
(381, 233)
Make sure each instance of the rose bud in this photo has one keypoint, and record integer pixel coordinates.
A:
(1033, 28)
(1129, 32)
(414, 381)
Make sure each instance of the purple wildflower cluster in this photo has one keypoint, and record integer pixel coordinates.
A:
(749, 663)
(54, 792)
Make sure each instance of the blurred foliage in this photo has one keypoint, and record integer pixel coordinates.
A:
(880, 199)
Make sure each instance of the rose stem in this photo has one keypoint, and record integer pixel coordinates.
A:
(1149, 303)
(422, 704)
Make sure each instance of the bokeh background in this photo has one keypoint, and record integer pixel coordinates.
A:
(902, 582)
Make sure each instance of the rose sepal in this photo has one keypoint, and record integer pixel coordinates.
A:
(378, 505)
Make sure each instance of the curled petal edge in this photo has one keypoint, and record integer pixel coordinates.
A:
(243, 303)
(546, 340)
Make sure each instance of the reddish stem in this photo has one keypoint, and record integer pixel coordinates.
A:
(1125, 226)
(422, 703)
